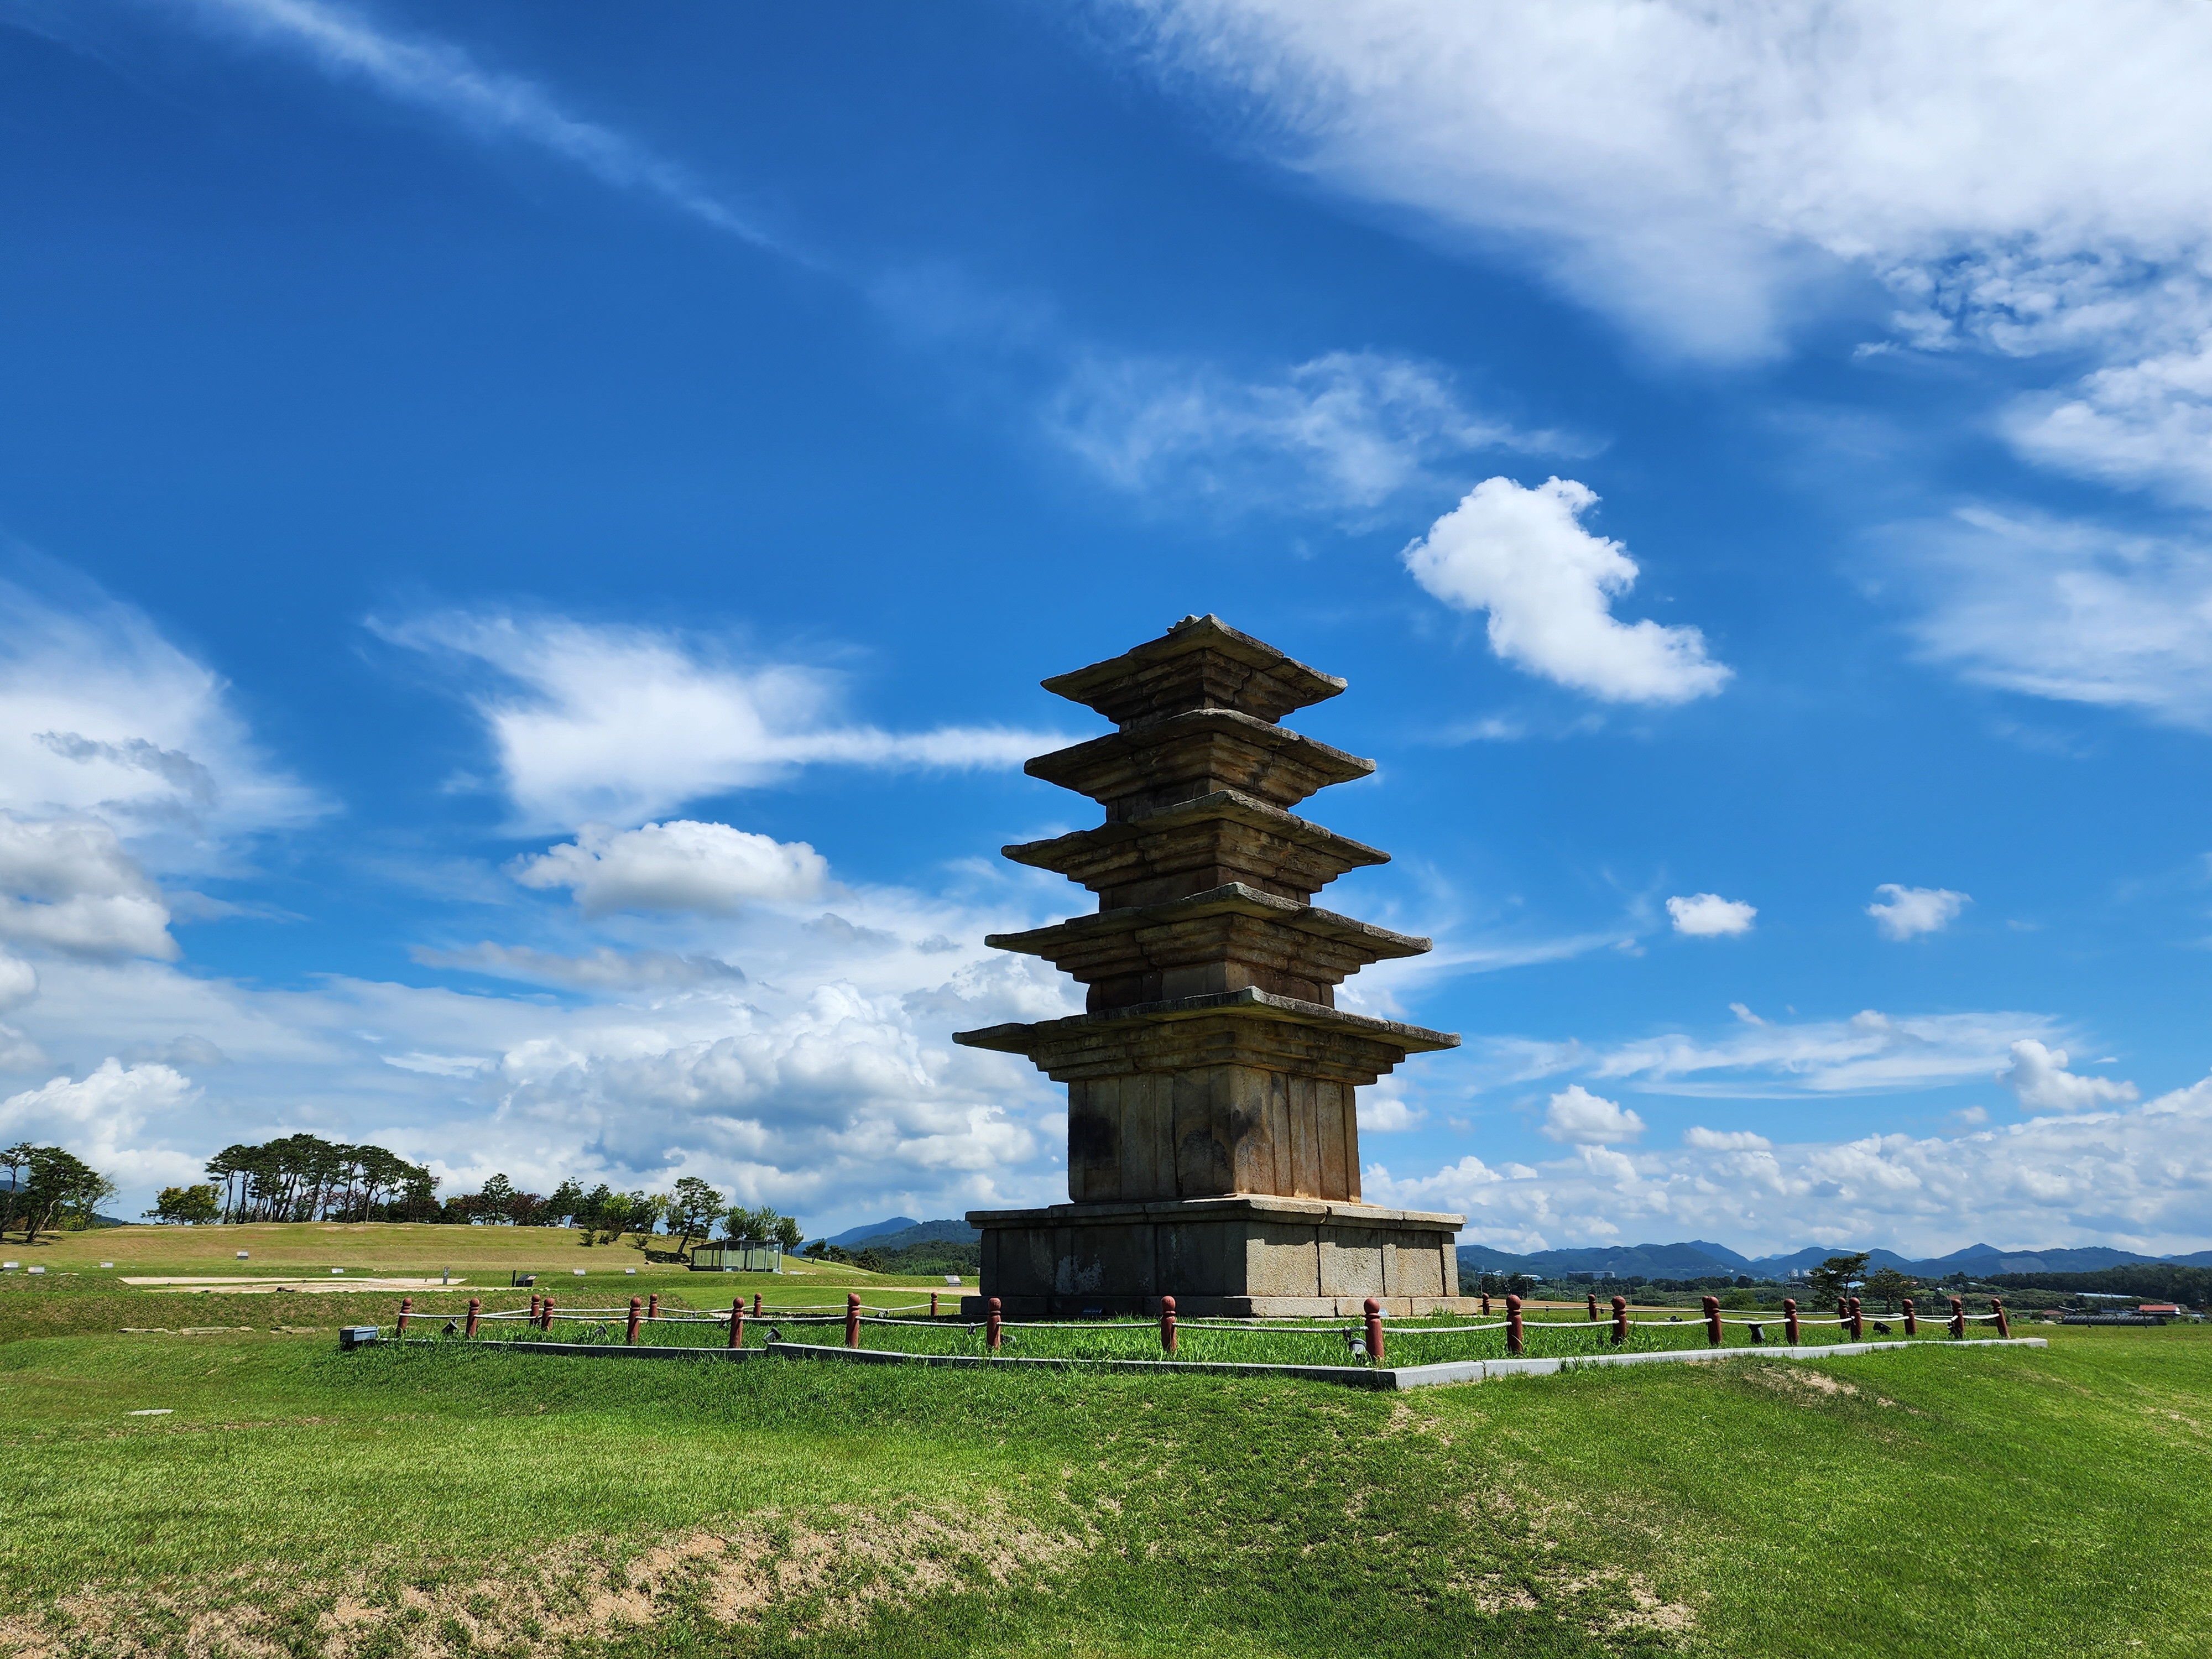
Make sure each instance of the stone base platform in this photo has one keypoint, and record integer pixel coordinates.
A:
(1244, 1257)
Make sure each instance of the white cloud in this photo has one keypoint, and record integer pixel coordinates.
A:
(682, 864)
(1347, 429)
(1726, 1140)
(103, 1117)
(19, 981)
(2065, 609)
(101, 715)
(1869, 1053)
(67, 885)
(435, 75)
(2134, 1178)
(1903, 912)
(1708, 915)
(1548, 585)
(1696, 172)
(618, 724)
(2144, 423)
(2038, 1076)
(1384, 1114)
(1576, 1115)
(602, 970)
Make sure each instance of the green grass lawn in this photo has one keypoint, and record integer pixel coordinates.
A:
(444, 1498)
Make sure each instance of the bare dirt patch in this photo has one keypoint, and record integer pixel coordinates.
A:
(830, 1567)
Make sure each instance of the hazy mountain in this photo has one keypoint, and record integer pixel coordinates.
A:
(853, 1237)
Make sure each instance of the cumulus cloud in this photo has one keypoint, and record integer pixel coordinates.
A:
(1725, 1141)
(1871, 1052)
(618, 724)
(19, 981)
(1385, 1115)
(1576, 1115)
(2134, 1178)
(1708, 915)
(682, 864)
(2038, 1076)
(1903, 912)
(1348, 429)
(67, 885)
(1549, 585)
(103, 1118)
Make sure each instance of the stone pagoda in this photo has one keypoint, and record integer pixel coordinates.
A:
(1213, 1150)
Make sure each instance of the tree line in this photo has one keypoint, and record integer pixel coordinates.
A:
(49, 1189)
(303, 1177)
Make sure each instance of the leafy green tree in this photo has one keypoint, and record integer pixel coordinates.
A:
(692, 1209)
(1835, 1277)
(562, 1205)
(198, 1206)
(495, 1201)
(61, 1189)
(15, 1160)
(1889, 1287)
(789, 1234)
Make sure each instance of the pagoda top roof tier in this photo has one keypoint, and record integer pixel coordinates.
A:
(1167, 758)
(1199, 663)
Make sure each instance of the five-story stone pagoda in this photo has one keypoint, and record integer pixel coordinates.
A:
(1212, 1151)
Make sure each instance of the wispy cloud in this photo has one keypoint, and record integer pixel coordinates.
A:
(614, 725)
(440, 77)
(1871, 1052)
(1348, 431)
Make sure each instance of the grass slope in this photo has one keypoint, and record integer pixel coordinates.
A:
(446, 1500)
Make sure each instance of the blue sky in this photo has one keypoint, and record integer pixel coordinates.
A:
(531, 534)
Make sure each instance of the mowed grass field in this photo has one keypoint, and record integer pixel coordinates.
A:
(443, 1499)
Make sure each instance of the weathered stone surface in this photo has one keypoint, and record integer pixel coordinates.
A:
(1199, 663)
(1176, 757)
(1196, 845)
(1254, 1256)
(1230, 938)
(1214, 1141)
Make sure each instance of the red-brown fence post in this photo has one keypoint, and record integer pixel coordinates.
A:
(852, 1319)
(1912, 1326)
(1712, 1321)
(545, 1316)
(1620, 1319)
(652, 1309)
(1485, 1304)
(1789, 1318)
(406, 1307)
(1593, 1307)
(932, 1304)
(1859, 1323)
(1513, 1333)
(1958, 1316)
(1842, 1311)
(1374, 1311)
(631, 1337)
(2004, 1325)
(737, 1322)
(476, 1307)
(533, 1310)
(991, 1326)
(755, 1304)
(1166, 1325)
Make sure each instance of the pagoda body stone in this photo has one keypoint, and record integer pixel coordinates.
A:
(1213, 1143)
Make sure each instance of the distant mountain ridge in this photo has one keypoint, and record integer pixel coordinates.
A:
(1701, 1259)
(901, 1230)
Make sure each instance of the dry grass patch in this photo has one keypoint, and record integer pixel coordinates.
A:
(825, 1569)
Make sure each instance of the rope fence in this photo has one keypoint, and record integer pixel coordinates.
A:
(1368, 1342)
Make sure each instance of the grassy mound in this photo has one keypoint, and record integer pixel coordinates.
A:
(440, 1498)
